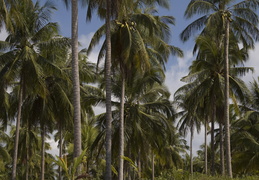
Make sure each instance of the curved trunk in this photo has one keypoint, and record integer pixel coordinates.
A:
(17, 131)
(76, 85)
(42, 153)
(226, 109)
(121, 148)
(108, 173)
(205, 149)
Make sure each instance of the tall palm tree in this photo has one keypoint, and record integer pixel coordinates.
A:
(189, 120)
(22, 55)
(76, 80)
(239, 19)
(206, 77)
(147, 111)
(108, 172)
(135, 44)
(76, 84)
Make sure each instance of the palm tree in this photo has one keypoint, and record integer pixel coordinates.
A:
(134, 42)
(126, 38)
(4, 154)
(56, 105)
(76, 84)
(239, 19)
(76, 80)
(189, 120)
(147, 110)
(245, 132)
(206, 77)
(108, 174)
(23, 55)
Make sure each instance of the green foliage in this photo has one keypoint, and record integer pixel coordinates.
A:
(179, 174)
(70, 170)
(131, 163)
(174, 174)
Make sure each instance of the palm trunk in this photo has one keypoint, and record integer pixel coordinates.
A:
(60, 151)
(226, 110)
(222, 164)
(153, 166)
(121, 150)
(139, 165)
(191, 159)
(205, 149)
(42, 153)
(212, 170)
(17, 132)
(76, 85)
(108, 174)
(27, 159)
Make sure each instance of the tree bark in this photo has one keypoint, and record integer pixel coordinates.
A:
(153, 166)
(139, 165)
(43, 152)
(121, 148)
(76, 84)
(212, 170)
(17, 131)
(60, 150)
(222, 159)
(108, 173)
(206, 150)
(226, 109)
(27, 156)
(191, 159)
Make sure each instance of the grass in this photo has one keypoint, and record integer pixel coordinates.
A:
(183, 175)
(205, 177)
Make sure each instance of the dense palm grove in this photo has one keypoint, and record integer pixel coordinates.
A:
(49, 90)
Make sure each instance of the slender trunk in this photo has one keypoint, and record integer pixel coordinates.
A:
(121, 149)
(127, 166)
(153, 166)
(222, 164)
(108, 174)
(17, 131)
(60, 151)
(43, 152)
(76, 84)
(205, 149)
(191, 159)
(139, 165)
(27, 158)
(226, 109)
(212, 171)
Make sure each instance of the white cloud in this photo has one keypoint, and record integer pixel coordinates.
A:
(54, 147)
(253, 61)
(85, 41)
(3, 34)
(177, 71)
(173, 82)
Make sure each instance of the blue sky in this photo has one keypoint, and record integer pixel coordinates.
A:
(176, 67)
